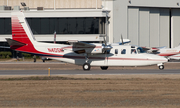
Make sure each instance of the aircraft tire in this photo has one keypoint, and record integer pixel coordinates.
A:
(34, 60)
(104, 67)
(161, 67)
(86, 66)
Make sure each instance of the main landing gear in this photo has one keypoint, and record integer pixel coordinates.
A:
(104, 67)
(86, 66)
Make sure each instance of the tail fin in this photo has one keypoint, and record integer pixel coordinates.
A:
(20, 29)
(22, 37)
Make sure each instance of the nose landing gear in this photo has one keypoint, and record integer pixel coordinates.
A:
(104, 67)
(161, 67)
(86, 66)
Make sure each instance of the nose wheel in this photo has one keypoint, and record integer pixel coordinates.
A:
(86, 66)
(161, 67)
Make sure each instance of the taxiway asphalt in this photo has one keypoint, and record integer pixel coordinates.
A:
(91, 72)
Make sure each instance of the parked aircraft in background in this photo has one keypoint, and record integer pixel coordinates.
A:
(175, 57)
(79, 53)
(170, 53)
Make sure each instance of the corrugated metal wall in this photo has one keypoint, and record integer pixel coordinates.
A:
(175, 27)
(149, 26)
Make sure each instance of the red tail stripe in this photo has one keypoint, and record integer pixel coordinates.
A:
(21, 36)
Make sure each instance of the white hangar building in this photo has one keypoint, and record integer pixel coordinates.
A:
(150, 23)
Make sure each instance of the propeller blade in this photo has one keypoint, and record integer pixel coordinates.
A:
(103, 35)
(105, 41)
(54, 36)
(122, 40)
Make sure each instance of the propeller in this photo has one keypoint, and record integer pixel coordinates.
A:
(106, 28)
(54, 36)
(122, 40)
(105, 41)
(106, 46)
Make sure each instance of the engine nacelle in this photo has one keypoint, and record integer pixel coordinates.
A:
(95, 51)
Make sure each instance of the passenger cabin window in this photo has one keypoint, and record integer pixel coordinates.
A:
(133, 51)
(139, 51)
(123, 51)
(116, 51)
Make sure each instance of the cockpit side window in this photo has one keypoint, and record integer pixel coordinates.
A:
(140, 50)
(123, 51)
(133, 51)
(116, 51)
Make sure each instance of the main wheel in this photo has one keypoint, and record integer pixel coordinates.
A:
(161, 67)
(34, 60)
(86, 66)
(104, 67)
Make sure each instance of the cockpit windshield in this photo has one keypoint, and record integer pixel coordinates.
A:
(140, 50)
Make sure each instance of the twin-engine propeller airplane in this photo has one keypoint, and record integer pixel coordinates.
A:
(79, 53)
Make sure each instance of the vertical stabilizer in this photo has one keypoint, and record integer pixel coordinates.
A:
(23, 39)
(21, 33)
(20, 29)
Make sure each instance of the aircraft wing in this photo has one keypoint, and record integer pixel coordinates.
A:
(77, 43)
(83, 47)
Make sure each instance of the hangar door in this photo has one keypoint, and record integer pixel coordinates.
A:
(149, 26)
(175, 27)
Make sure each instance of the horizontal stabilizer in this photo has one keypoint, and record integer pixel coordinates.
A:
(14, 44)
